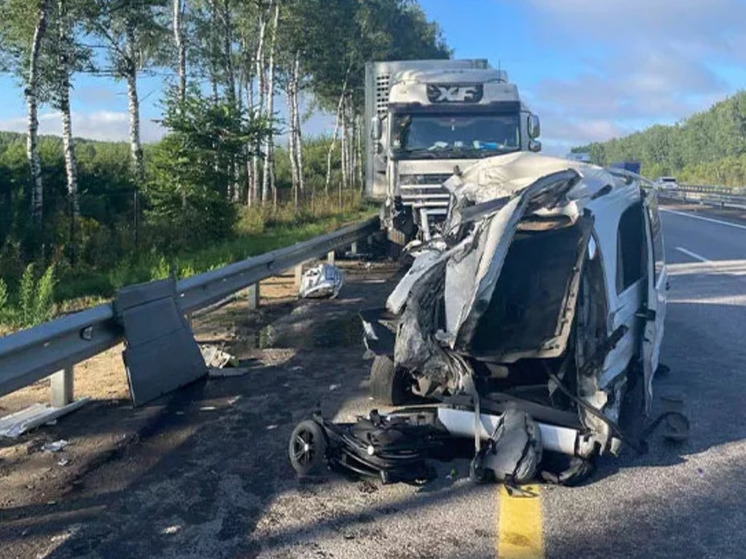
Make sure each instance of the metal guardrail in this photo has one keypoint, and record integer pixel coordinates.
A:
(38, 352)
(716, 196)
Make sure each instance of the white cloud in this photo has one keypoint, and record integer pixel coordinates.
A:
(98, 125)
(645, 62)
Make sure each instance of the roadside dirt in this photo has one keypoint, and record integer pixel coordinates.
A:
(300, 353)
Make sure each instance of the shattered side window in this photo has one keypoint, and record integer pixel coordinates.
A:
(630, 248)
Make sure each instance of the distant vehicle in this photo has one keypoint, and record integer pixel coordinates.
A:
(428, 119)
(667, 183)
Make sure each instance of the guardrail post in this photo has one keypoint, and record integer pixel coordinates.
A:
(330, 257)
(353, 248)
(298, 275)
(62, 387)
(253, 296)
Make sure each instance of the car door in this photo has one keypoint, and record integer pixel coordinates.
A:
(654, 312)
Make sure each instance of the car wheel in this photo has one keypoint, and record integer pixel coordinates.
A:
(389, 385)
(307, 449)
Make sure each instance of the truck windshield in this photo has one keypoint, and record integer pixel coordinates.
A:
(419, 136)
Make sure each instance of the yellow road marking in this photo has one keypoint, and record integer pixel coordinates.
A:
(520, 528)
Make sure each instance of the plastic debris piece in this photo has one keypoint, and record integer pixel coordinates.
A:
(15, 424)
(217, 358)
(63, 462)
(333, 387)
(322, 281)
(56, 446)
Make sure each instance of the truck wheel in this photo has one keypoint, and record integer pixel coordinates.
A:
(397, 240)
(389, 385)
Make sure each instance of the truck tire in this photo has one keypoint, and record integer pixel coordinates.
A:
(389, 385)
(397, 240)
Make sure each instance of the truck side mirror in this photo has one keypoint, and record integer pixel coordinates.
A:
(534, 126)
(375, 128)
(534, 145)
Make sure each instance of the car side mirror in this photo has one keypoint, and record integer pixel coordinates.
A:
(534, 145)
(534, 126)
(375, 128)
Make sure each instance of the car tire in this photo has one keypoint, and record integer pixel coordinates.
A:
(388, 384)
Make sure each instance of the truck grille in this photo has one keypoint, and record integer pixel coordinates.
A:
(425, 191)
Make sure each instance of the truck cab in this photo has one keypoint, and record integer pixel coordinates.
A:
(428, 120)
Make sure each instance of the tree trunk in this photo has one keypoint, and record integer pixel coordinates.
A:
(214, 52)
(250, 176)
(230, 80)
(134, 102)
(297, 126)
(344, 153)
(332, 145)
(179, 8)
(68, 147)
(359, 148)
(292, 153)
(32, 151)
(260, 79)
(269, 156)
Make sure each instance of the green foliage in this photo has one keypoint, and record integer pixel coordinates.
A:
(44, 297)
(4, 298)
(709, 147)
(194, 168)
(26, 295)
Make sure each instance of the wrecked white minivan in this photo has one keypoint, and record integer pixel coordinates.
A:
(531, 323)
(546, 286)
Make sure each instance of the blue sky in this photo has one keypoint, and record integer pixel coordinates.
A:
(592, 69)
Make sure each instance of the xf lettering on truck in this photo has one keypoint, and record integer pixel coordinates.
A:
(454, 93)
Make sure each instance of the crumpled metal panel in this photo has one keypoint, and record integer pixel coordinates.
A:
(161, 354)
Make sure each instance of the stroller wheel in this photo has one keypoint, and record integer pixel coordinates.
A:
(307, 449)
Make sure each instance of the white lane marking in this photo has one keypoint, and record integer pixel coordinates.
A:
(692, 254)
(718, 221)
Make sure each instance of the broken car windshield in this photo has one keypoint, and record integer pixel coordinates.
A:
(417, 136)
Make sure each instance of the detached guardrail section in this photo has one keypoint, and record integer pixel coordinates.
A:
(54, 348)
(716, 196)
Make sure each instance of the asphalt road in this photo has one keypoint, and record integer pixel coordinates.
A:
(211, 478)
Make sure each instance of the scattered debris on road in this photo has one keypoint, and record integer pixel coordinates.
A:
(15, 424)
(55, 446)
(216, 357)
(322, 281)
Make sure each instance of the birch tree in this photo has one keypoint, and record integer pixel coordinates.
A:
(132, 33)
(65, 56)
(269, 147)
(179, 8)
(22, 37)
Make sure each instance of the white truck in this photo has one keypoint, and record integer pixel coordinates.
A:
(427, 120)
